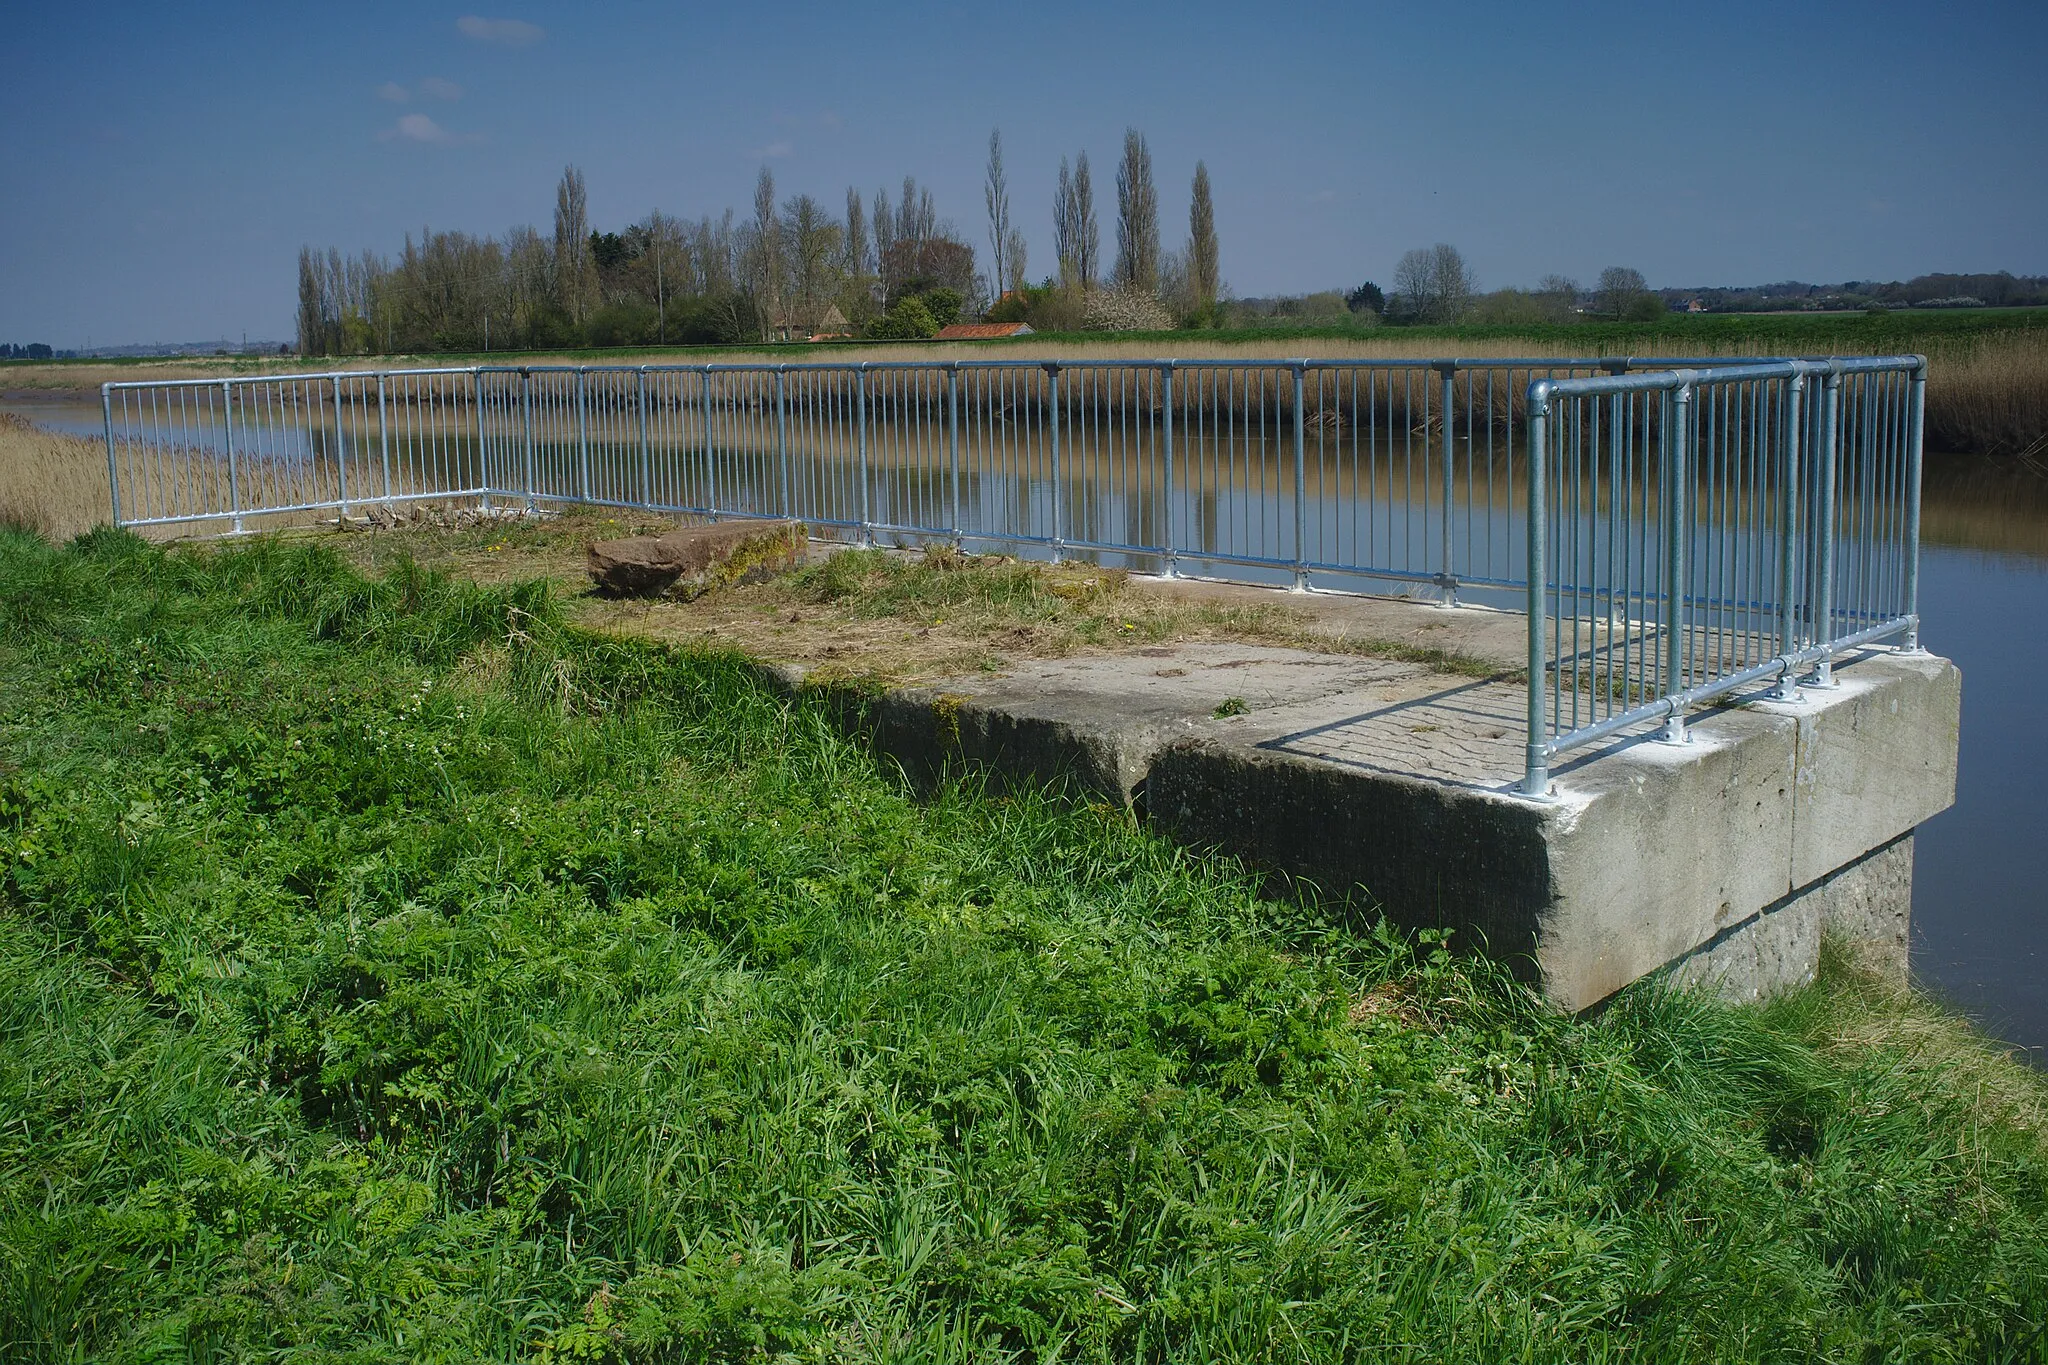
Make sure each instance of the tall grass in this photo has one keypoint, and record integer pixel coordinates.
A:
(51, 484)
(1987, 388)
(390, 972)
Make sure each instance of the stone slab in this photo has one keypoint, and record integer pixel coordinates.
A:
(691, 560)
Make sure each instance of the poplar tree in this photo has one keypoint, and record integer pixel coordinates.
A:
(575, 272)
(1087, 242)
(1066, 231)
(1202, 273)
(1137, 218)
(1000, 233)
(767, 249)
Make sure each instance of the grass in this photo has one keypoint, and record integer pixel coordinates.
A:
(884, 616)
(390, 971)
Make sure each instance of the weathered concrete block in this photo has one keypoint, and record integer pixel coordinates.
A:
(691, 560)
(1867, 906)
(1649, 851)
(1732, 854)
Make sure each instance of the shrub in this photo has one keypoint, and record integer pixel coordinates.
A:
(1124, 310)
(909, 320)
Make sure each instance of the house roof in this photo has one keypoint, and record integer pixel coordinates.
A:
(983, 331)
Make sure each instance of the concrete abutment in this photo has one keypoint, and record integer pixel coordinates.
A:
(1724, 860)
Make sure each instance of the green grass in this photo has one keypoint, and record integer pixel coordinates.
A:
(388, 972)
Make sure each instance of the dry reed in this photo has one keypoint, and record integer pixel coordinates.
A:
(50, 483)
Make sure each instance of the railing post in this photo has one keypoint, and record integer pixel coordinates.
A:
(227, 421)
(1916, 437)
(646, 452)
(1172, 559)
(860, 382)
(340, 451)
(483, 457)
(953, 447)
(1536, 772)
(1823, 525)
(1052, 387)
(384, 437)
(1447, 579)
(787, 506)
(526, 421)
(582, 436)
(1788, 536)
(113, 471)
(1300, 476)
(1677, 471)
(710, 454)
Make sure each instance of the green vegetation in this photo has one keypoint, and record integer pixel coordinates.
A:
(389, 972)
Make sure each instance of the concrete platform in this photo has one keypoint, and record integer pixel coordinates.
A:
(1724, 859)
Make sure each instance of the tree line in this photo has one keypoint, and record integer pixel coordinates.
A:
(791, 268)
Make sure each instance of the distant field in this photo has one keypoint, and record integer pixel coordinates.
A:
(1987, 391)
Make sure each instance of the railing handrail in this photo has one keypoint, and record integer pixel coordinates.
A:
(538, 434)
(1809, 526)
(1631, 364)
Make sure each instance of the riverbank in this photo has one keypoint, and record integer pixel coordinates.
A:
(1987, 383)
(392, 965)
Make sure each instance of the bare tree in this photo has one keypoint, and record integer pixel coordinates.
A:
(996, 193)
(1619, 290)
(1137, 218)
(1087, 241)
(767, 272)
(811, 243)
(855, 263)
(1066, 228)
(1201, 259)
(575, 272)
(885, 228)
(1432, 284)
(1015, 262)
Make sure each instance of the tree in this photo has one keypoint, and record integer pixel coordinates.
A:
(1558, 295)
(1367, 298)
(1137, 218)
(1432, 284)
(767, 263)
(575, 273)
(1066, 228)
(811, 246)
(856, 260)
(1087, 241)
(1201, 262)
(1001, 233)
(1618, 290)
(1015, 262)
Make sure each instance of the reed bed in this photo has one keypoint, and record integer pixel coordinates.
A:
(50, 483)
(1987, 388)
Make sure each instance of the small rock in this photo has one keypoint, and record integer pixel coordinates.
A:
(692, 560)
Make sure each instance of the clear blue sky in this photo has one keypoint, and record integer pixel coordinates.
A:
(162, 164)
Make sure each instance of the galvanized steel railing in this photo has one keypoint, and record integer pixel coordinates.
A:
(1296, 471)
(1693, 532)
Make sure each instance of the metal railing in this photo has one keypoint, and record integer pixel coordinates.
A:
(1695, 532)
(1413, 472)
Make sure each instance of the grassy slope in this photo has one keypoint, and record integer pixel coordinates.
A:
(388, 973)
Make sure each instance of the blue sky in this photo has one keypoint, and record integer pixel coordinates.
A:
(163, 164)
